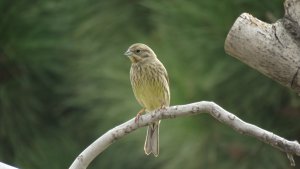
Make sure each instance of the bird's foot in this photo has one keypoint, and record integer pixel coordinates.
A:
(138, 115)
(162, 107)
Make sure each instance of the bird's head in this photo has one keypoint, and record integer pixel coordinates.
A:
(139, 52)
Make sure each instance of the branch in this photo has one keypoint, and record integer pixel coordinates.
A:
(291, 18)
(5, 166)
(272, 49)
(86, 157)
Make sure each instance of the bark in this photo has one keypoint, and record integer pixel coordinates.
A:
(5, 166)
(93, 150)
(272, 49)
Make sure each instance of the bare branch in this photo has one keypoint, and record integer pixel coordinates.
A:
(86, 157)
(5, 166)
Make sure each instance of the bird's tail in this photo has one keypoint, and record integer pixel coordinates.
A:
(152, 139)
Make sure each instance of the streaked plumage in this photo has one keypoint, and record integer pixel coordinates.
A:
(150, 84)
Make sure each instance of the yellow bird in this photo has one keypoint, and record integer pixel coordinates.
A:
(150, 84)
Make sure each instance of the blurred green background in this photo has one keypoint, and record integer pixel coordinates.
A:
(64, 81)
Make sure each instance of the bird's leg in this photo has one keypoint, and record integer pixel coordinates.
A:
(138, 115)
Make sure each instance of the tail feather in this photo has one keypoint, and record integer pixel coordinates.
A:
(152, 139)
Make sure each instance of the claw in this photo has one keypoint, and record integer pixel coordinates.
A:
(163, 107)
(138, 115)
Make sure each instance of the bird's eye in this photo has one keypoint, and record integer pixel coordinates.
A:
(138, 51)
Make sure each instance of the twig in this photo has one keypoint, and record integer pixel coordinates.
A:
(93, 150)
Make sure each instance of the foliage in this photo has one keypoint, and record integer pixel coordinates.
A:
(64, 81)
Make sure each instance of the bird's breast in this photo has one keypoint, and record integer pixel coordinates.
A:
(150, 86)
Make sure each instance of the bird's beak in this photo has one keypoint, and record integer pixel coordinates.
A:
(131, 56)
(128, 53)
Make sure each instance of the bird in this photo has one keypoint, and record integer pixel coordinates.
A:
(150, 85)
